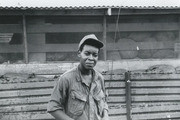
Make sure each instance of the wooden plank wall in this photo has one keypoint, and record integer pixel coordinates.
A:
(37, 28)
(155, 96)
(25, 98)
(115, 86)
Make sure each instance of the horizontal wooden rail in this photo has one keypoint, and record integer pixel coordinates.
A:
(155, 83)
(44, 28)
(155, 116)
(122, 46)
(98, 27)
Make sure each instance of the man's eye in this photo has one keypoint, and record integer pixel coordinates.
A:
(87, 54)
(95, 55)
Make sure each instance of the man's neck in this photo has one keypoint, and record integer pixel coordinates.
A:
(85, 71)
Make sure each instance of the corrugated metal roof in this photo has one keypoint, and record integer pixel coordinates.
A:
(88, 4)
(86, 7)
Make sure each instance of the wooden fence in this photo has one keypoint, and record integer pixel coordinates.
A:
(155, 96)
(132, 96)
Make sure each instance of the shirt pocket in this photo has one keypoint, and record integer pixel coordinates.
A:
(99, 96)
(77, 101)
(100, 101)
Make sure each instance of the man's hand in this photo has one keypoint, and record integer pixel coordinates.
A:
(105, 115)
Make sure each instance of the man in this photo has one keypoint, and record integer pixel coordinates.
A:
(80, 94)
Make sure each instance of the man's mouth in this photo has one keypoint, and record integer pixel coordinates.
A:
(90, 64)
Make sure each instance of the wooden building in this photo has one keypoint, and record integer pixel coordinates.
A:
(42, 41)
(52, 34)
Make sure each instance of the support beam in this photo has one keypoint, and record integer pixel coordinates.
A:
(104, 36)
(25, 40)
(176, 47)
(128, 95)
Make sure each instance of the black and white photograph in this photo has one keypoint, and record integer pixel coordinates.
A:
(89, 60)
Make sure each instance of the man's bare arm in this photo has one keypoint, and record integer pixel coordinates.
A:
(60, 115)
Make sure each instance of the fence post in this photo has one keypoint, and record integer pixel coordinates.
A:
(128, 95)
(25, 40)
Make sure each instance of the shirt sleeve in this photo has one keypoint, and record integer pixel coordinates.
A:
(58, 96)
(105, 93)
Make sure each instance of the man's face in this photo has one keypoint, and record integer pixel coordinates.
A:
(88, 56)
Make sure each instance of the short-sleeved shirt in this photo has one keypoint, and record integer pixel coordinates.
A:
(78, 99)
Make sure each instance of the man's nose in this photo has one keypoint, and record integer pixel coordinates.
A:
(91, 57)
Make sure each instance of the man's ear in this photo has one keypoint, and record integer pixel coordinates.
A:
(79, 53)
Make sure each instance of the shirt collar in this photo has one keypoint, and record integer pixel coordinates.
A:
(95, 76)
